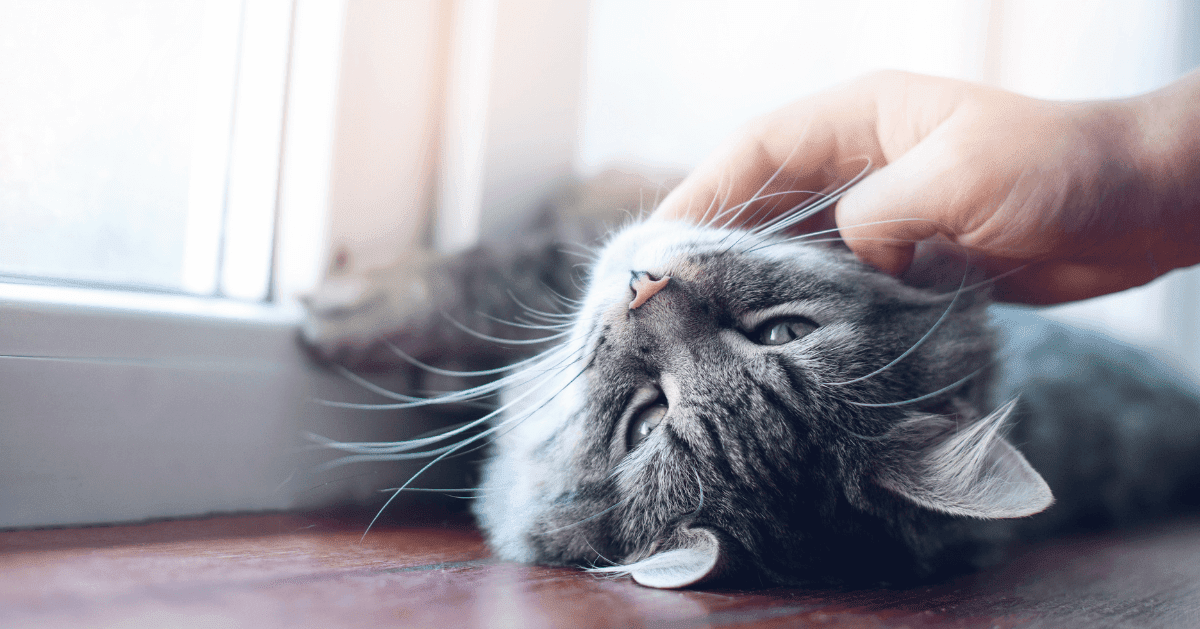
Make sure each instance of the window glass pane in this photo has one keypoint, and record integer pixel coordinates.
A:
(97, 116)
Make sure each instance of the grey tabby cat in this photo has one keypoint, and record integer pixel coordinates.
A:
(764, 409)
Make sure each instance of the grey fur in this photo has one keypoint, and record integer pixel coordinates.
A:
(822, 459)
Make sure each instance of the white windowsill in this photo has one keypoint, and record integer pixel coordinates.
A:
(121, 406)
(66, 297)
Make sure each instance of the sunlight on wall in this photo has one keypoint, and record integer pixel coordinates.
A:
(667, 81)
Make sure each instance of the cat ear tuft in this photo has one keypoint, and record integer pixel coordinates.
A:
(973, 472)
(698, 556)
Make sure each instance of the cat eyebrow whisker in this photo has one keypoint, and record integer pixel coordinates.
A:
(802, 211)
(745, 204)
(998, 276)
(922, 398)
(778, 198)
(787, 220)
(758, 194)
(929, 333)
(711, 217)
(814, 241)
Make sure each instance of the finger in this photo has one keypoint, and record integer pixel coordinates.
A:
(1058, 282)
(776, 163)
(884, 217)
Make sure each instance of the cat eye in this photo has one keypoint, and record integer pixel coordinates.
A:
(784, 330)
(645, 422)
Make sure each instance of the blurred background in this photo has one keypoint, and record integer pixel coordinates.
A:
(230, 150)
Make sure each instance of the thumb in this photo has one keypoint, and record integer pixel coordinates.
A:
(884, 217)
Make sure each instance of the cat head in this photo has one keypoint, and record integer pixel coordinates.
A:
(729, 403)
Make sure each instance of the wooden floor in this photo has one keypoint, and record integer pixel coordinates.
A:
(308, 571)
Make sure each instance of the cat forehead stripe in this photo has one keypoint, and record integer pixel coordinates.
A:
(644, 288)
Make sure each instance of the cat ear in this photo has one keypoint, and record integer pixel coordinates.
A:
(698, 555)
(974, 473)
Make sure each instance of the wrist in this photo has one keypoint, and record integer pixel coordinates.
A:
(1164, 147)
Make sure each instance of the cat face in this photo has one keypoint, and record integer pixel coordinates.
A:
(728, 403)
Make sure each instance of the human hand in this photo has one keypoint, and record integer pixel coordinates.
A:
(1059, 200)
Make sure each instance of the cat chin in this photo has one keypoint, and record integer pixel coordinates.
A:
(521, 479)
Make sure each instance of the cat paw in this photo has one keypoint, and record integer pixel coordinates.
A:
(353, 319)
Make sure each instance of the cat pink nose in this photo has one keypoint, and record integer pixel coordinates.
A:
(645, 286)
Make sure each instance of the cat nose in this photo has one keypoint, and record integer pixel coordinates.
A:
(644, 286)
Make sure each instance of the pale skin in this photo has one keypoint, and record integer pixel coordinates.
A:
(1058, 201)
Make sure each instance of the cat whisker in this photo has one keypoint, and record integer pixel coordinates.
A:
(334, 481)
(700, 486)
(809, 207)
(183, 365)
(787, 220)
(710, 216)
(560, 354)
(372, 387)
(495, 339)
(467, 441)
(658, 190)
(366, 447)
(380, 458)
(589, 254)
(590, 517)
(598, 555)
(403, 450)
(462, 490)
(914, 346)
(770, 180)
(525, 326)
(563, 299)
(922, 398)
(540, 313)
(741, 206)
(998, 276)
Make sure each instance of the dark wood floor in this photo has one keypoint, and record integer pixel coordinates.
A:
(308, 571)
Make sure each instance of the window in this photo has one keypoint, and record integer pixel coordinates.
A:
(141, 143)
(149, 362)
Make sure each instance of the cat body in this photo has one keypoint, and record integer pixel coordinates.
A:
(723, 404)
